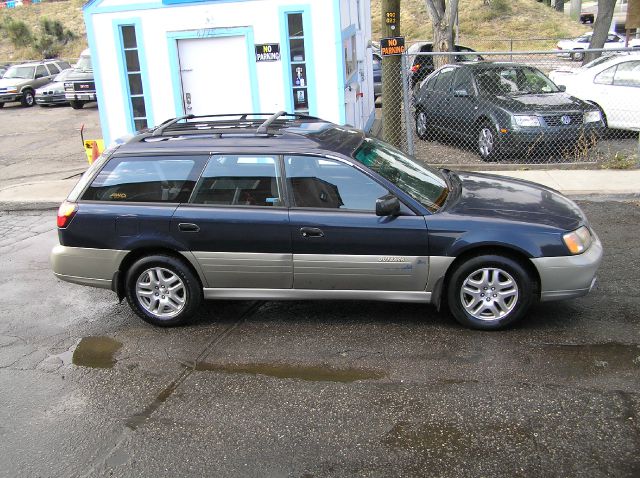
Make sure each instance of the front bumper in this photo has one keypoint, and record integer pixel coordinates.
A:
(51, 99)
(6, 98)
(540, 138)
(567, 277)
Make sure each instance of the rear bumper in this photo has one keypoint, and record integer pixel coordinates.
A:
(80, 96)
(86, 266)
(568, 277)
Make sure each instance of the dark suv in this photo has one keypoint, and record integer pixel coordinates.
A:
(293, 207)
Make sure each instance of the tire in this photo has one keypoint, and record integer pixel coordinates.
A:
(577, 55)
(422, 128)
(76, 105)
(149, 276)
(1, 105)
(474, 303)
(28, 99)
(488, 145)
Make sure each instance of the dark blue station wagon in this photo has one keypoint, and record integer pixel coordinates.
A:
(293, 207)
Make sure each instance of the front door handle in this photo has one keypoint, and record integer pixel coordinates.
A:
(188, 227)
(311, 232)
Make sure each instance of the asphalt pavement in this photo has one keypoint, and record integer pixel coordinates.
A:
(316, 389)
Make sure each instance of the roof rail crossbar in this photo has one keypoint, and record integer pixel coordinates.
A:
(264, 127)
(160, 129)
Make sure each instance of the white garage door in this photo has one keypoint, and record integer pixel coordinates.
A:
(215, 75)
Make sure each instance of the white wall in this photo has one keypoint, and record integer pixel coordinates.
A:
(265, 18)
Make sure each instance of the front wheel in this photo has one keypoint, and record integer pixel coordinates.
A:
(488, 144)
(162, 290)
(28, 99)
(489, 292)
(422, 129)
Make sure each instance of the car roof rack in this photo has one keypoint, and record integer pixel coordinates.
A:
(243, 123)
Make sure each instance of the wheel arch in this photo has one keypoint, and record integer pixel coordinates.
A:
(524, 259)
(118, 281)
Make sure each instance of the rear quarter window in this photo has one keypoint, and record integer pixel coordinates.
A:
(146, 179)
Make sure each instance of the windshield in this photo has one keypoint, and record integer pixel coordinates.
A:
(25, 72)
(424, 184)
(84, 63)
(513, 80)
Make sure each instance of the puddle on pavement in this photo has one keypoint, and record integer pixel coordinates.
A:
(96, 352)
(320, 373)
(595, 358)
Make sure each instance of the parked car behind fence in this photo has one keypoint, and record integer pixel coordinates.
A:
(453, 137)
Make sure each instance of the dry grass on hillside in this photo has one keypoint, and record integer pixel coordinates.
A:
(482, 25)
(68, 12)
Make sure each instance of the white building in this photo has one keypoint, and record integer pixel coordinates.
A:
(158, 59)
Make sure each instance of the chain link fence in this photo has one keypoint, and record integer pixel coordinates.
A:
(515, 107)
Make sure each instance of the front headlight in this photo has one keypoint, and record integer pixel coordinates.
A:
(12, 90)
(524, 120)
(592, 116)
(579, 240)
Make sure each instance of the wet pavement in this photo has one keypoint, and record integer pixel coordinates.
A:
(316, 389)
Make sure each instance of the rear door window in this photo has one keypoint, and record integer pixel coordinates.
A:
(146, 179)
(239, 180)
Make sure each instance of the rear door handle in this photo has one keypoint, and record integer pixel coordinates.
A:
(188, 227)
(311, 232)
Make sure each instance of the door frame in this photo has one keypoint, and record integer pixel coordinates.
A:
(174, 61)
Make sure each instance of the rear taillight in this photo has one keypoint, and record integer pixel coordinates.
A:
(66, 211)
(415, 68)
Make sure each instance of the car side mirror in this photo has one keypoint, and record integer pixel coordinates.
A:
(388, 205)
(562, 87)
(460, 93)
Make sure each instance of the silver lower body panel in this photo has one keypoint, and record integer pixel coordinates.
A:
(568, 277)
(86, 266)
(311, 294)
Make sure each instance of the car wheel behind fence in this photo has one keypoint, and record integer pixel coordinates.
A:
(28, 99)
(77, 105)
(422, 129)
(577, 56)
(488, 143)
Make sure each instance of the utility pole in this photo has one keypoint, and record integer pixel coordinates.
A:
(391, 77)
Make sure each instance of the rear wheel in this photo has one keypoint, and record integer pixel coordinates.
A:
(76, 105)
(1, 105)
(489, 292)
(162, 290)
(28, 98)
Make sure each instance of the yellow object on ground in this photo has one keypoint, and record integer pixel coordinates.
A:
(93, 148)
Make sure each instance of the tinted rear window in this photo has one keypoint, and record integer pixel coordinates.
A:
(146, 179)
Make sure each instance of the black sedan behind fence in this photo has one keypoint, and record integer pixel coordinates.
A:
(538, 107)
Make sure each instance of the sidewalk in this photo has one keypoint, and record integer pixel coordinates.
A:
(569, 182)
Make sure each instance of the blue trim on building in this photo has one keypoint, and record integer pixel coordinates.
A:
(339, 60)
(312, 97)
(174, 60)
(94, 6)
(144, 71)
(97, 77)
